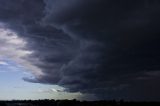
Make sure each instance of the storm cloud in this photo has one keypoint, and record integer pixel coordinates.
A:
(103, 47)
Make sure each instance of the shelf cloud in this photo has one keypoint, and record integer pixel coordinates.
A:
(100, 47)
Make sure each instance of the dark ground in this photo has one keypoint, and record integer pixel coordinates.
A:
(75, 103)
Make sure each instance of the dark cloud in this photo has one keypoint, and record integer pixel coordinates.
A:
(102, 47)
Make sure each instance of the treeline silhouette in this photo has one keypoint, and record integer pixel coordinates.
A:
(75, 102)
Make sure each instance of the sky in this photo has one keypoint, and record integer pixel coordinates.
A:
(83, 49)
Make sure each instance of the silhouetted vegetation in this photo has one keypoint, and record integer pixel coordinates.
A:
(75, 103)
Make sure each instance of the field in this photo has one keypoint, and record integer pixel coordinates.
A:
(74, 103)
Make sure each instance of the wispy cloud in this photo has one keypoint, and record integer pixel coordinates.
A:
(51, 90)
(14, 48)
(3, 63)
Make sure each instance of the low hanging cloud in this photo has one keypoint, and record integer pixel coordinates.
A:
(98, 47)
